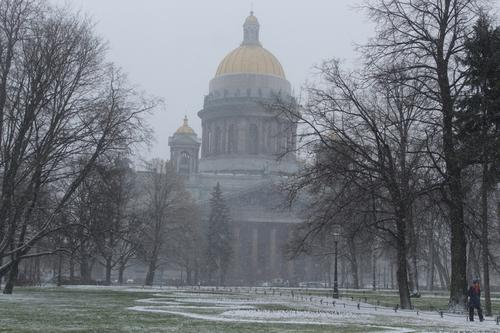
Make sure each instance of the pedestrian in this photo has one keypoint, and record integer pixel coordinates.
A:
(475, 300)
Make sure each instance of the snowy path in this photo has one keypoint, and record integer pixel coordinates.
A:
(238, 306)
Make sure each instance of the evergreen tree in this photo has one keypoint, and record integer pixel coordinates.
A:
(219, 238)
(479, 122)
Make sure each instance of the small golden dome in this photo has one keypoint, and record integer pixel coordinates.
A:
(251, 59)
(185, 129)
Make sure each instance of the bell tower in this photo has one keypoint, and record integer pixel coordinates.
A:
(184, 149)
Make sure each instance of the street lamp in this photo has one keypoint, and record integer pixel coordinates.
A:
(336, 236)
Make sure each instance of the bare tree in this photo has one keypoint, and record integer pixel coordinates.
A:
(60, 104)
(375, 125)
(429, 36)
(186, 243)
(164, 212)
(116, 226)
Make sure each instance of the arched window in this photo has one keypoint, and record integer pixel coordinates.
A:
(253, 139)
(184, 166)
(185, 158)
(232, 144)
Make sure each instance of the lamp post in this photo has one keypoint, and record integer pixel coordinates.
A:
(335, 235)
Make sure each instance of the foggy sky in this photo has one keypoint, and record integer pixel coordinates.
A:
(171, 48)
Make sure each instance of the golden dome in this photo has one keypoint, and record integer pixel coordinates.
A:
(185, 129)
(251, 59)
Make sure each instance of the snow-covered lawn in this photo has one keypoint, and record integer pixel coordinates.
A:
(250, 307)
(124, 309)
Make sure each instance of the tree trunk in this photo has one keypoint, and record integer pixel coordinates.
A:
(374, 271)
(11, 278)
(71, 268)
(1, 276)
(196, 274)
(484, 240)
(189, 276)
(85, 271)
(392, 274)
(109, 268)
(402, 271)
(354, 263)
(150, 276)
(458, 284)
(121, 271)
(412, 241)
(471, 275)
(454, 202)
(431, 265)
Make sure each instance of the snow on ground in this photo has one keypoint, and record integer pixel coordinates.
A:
(238, 306)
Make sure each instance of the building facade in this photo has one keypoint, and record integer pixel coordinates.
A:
(248, 149)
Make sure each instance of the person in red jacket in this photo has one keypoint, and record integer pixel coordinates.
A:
(475, 300)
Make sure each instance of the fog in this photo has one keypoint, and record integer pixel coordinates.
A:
(171, 49)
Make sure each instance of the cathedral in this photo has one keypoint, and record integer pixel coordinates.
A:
(243, 147)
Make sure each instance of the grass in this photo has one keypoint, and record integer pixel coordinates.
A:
(107, 310)
(100, 310)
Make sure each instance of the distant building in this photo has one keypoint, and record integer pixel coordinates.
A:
(242, 147)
